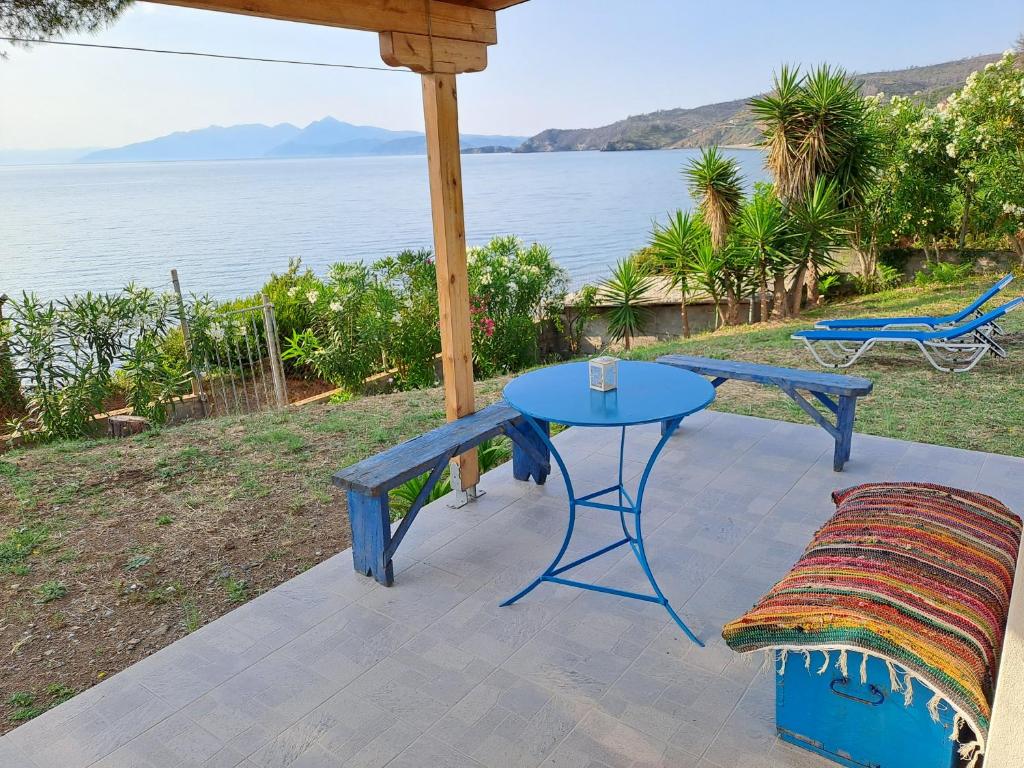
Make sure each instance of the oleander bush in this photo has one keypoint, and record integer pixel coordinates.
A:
(70, 356)
(365, 319)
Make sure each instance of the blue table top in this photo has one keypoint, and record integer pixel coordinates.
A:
(646, 393)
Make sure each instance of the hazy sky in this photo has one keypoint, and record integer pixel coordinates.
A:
(559, 63)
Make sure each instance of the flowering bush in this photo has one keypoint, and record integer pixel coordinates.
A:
(383, 317)
(987, 143)
(512, 289)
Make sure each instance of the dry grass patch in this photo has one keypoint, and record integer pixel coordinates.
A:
(112, 550)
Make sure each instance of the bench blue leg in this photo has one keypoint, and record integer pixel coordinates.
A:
(525, 466)
(844, 425)
(673, 423)
(370, 519)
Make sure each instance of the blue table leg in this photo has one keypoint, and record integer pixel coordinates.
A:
(634, 539)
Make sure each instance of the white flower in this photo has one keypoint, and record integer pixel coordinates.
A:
(335, 306)
(292, 291)
(312, 296)
(951, 149)
(216, 332)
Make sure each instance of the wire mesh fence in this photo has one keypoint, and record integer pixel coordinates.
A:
(236, 361)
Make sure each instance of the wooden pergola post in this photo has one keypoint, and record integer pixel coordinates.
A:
(441, 117)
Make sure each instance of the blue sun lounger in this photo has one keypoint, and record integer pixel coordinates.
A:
(954, 350)
(929, 323)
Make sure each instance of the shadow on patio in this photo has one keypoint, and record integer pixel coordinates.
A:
(332, 669)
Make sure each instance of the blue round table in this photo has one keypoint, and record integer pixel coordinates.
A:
(647, 393)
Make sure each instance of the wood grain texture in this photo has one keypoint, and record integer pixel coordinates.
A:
(424, 54)
(455, 20)
(389, 469)
(792, 381)
(812, 381)
(444, 160)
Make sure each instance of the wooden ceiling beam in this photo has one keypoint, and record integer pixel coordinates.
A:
(451, 20)
(438, 54)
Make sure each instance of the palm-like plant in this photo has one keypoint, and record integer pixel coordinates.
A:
(627, 292)
(673, 247)
(715, 182)
(706, 271)
(761, 232)
(816, 125)
(780, 116)
(817, 226)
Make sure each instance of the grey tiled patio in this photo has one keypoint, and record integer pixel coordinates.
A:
(331, 669)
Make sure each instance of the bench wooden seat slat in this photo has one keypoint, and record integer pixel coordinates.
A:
(390, 468)
(793, 381)
(368, 482)
(813, 381)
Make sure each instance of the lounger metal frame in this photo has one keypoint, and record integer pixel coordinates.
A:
(973, 310)
(945, 354)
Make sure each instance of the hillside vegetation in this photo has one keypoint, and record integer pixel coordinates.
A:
(730, 123)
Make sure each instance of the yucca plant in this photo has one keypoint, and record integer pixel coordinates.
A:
(626, 291)
(706, 270)
(761, 232)
(673, 247)
(715, 182)
(817, 226)
(780, 116)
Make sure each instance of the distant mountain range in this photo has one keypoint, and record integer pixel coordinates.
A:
(727, 123)
(730, 123)
(324, 138)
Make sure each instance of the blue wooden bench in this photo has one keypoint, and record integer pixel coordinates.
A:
(374, 543)
(823, 387)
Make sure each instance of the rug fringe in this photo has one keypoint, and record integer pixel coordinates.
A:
(971, 752)
(824, 664)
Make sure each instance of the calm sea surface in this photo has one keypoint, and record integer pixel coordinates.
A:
(226, 225)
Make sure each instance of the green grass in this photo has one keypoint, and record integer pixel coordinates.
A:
(979, 410)
(191, 616)
(51, 590)
(237, 589)
(18, 544)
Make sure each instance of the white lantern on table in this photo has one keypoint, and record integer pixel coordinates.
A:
(604, 373)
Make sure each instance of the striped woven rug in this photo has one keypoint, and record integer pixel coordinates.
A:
(917, 574)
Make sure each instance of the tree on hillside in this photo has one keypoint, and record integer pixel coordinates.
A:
(42, 19)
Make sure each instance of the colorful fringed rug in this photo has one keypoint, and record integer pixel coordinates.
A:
(917, 574)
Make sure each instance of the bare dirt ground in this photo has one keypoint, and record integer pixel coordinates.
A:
(110, 550)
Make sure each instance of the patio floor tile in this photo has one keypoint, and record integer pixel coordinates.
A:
(331, 669)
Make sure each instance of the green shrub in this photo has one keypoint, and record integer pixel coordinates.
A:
(12, 402)
(513, 288)
(383, 317)
(71, 355)
(943, 273)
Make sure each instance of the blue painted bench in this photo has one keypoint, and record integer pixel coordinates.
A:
(836, 392)
(368, 482)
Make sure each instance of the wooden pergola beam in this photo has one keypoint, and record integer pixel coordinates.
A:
(453, 20)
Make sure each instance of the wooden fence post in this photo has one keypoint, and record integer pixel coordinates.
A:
(197, 382)
(274, 353)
